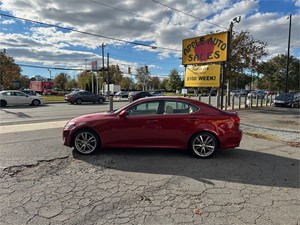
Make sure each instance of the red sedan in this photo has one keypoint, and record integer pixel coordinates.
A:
(156, 122)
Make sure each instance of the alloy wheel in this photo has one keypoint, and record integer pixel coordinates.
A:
(86, 142)
(203, 145)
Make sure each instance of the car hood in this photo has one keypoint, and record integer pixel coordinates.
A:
(91, 117)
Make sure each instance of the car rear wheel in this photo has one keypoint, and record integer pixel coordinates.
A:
(35, 102)
(3, 103)
(86, 142)
(101, 101)
(203, 145)
(78, 101)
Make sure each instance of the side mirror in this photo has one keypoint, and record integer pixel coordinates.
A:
(123, 114)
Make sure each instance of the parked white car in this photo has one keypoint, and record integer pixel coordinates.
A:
(14, 97)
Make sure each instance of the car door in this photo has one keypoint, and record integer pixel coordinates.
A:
(22, 98)
(85, 96)
(138, 129)
(176, 124)
(10, 97)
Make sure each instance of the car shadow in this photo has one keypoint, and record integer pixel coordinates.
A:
(238, 166)
(22, 106)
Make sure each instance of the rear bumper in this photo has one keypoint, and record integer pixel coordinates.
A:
(232, 139)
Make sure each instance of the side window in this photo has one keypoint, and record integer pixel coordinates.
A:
(7, 93)
(19, 94)
(178, 107)
(146, 108)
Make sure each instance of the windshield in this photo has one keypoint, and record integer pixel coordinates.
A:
(284, 96)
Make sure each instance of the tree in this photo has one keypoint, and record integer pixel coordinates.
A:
(174, 82)
(155, 83)
(61, 80)
(9, 72)
(274, 74)
(143, 78)
(115, 74)
(83, 80)
(164, 83)
(126, 83)
(245, 53)
(72, 83)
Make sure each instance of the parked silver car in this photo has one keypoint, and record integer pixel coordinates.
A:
(15, 97)
(257, 94)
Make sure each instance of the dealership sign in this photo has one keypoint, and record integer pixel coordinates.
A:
(202, 76)
(205, 49)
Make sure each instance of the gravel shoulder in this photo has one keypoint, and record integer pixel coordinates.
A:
(276, 124)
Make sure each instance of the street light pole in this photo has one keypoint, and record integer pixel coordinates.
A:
(288, 57)
(103, 45)
(235, 20)
(50, 73)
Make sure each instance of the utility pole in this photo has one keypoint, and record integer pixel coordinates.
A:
(50, 73)
(288, 57)
(108, 78)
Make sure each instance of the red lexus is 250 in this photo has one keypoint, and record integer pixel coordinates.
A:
(156, 122)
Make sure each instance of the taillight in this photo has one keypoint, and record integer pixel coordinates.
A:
(235, 119)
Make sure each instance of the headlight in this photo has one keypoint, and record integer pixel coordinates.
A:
(69, 125)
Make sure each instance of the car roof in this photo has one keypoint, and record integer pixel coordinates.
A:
(166, 98)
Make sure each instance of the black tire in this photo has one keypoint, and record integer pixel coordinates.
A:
(203, 145)
(35, 102)
(78, 101)
(3, 103)
(101, 101)
(86, 142)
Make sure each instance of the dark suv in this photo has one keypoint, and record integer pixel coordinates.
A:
(287, 99)
(84, 96)
(138, 94)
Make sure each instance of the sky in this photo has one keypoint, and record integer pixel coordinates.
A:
(49, 37)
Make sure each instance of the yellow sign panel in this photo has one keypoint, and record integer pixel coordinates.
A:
(205, 49)
(202, 76)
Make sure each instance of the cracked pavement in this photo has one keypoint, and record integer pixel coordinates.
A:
(127, 186)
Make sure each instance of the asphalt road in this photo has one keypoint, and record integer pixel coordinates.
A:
(51, 112)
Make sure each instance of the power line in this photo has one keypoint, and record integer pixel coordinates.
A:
(187, 14)
(47, 67)
(138, 15)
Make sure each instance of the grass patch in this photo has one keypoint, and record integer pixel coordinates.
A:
(50, 98)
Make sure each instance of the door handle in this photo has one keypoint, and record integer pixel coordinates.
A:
(151, 121)
(192, 119)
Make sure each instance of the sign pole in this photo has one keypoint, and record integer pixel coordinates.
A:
(222, 85)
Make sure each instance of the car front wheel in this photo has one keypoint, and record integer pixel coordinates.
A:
(101, 101)
(203, 145)
(86, 142)
(35, 102)
(78, 101)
